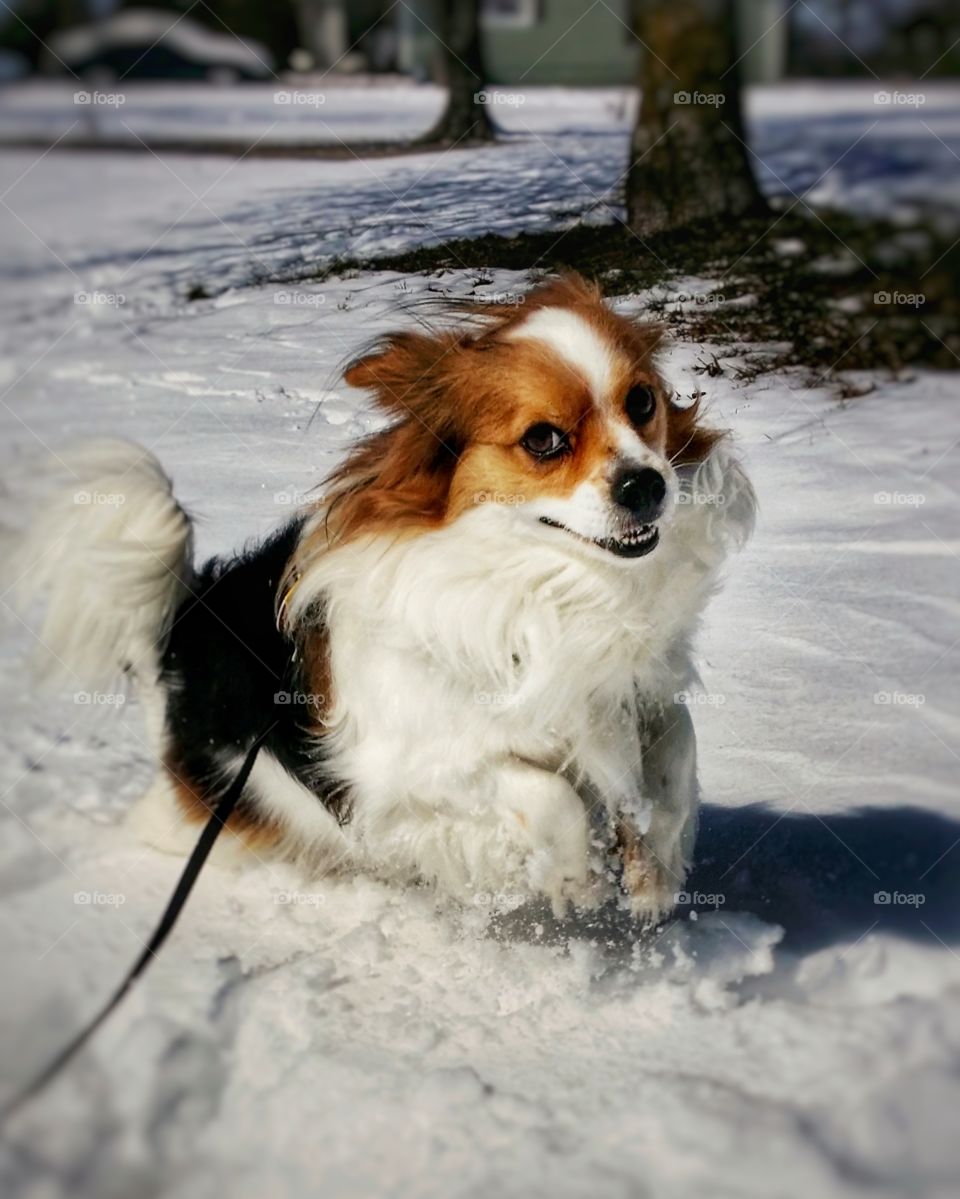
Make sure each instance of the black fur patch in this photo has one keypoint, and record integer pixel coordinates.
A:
(229, 673)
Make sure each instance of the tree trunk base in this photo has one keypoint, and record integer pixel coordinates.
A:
(690, 174)
(447, 133)
(688, 160)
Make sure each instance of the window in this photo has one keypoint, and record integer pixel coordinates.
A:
(509, 14)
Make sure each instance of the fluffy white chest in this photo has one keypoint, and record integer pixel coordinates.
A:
(455, 650)
(479, 642)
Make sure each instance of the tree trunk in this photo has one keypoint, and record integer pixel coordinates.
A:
(465, 118)
(322, 29)
(688, 158)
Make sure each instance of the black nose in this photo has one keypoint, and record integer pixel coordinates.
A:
(641, 492)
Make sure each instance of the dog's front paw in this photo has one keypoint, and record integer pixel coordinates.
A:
(563, 882)
(650, 884)
(552, 821)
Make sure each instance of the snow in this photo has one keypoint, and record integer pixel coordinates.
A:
(878, 147)
(142, 30)
(786, 1035)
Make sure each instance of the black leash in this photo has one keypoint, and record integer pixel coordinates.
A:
(173, 909)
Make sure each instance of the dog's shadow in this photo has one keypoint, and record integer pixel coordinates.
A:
(826, 880)
(829, 879)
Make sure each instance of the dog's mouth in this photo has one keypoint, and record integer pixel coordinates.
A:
(634, 544)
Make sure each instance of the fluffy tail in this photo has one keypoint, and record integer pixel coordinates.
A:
(109, 549)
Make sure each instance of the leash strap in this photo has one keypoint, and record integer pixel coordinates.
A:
(201, 852)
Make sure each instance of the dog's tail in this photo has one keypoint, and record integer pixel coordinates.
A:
(109, 550)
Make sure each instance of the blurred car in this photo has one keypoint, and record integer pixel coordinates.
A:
(145, 43)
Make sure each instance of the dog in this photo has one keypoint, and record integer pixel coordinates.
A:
(471, 652)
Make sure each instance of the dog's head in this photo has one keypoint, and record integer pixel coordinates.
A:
(554, 409)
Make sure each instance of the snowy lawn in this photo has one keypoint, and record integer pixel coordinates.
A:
(789, 1034)
(882, 147)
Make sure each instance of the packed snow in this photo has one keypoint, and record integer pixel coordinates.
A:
(794, 1031)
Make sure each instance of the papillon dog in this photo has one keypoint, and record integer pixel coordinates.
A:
(472, 652)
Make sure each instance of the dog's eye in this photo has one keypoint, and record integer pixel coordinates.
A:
(544, 441)
(641, 403)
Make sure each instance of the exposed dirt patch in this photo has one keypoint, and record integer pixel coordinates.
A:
(828, 292)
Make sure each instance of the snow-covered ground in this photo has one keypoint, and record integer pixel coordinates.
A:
(881, 147)
(789, 1034)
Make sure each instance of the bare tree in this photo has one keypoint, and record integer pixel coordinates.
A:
(688, 157)
(465, 118)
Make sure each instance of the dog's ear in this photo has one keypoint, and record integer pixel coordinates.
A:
(388, 361)
(400, 475)
(689, 441)
(403, 370)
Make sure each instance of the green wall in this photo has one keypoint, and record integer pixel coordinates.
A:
(596, 51)
(599, 50)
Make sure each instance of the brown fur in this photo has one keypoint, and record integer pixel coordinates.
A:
(256, 832)
(461, 401)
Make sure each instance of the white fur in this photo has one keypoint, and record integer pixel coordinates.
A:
(159, 820)
(492, 662)
(503, 692)
(109, 550)
(633, 449)
(587, 510)
(575, 341)
(310, 829)
(311, 833)
(590, 511)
